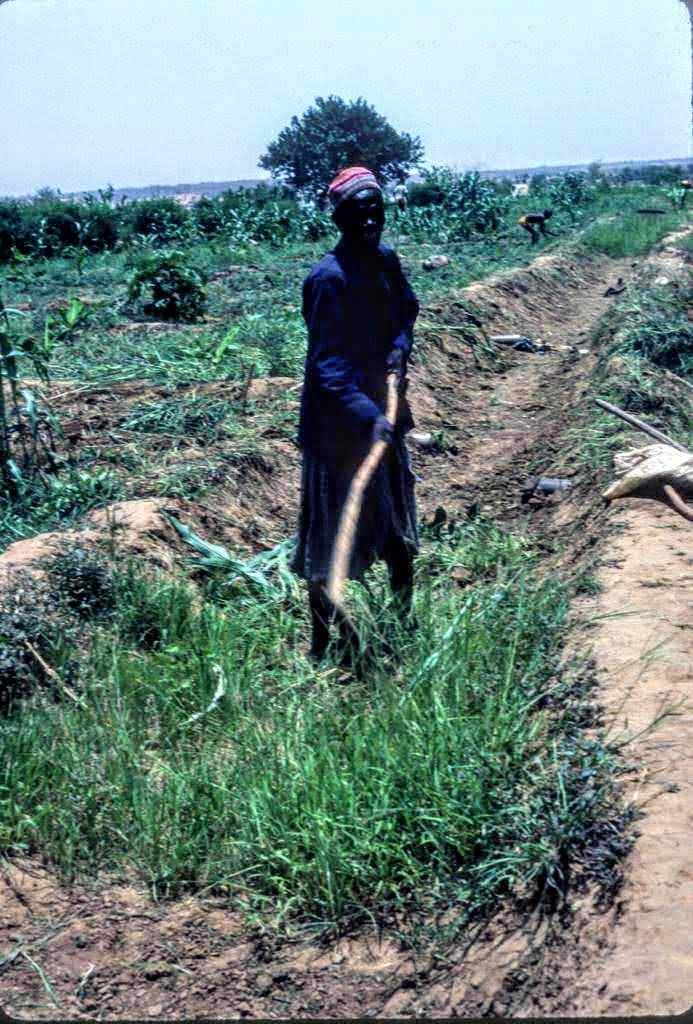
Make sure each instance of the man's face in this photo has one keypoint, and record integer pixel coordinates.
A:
(364, 218)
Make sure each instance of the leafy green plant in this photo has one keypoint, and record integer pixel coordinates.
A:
(471, 203)
(60, 325)
(570, 191)
(676, 196)
(26, 431)
(176, 289)
(162, 221)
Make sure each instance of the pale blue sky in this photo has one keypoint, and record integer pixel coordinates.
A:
(139, 92)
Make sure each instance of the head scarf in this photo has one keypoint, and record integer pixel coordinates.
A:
(350, 181)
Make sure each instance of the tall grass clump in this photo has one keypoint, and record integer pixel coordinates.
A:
(653, 324)
(630, 233)
(642, 336)
(205, 751)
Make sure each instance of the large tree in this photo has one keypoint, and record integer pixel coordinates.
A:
(333, 134)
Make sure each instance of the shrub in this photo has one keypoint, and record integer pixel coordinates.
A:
(209, 216)
(177, 290)
(570, 191)
(425, 193)
(59, 226)
(161, 220)
(32, 629)
(84, 582)
(472, 203)
(13, 233)
(100, 227)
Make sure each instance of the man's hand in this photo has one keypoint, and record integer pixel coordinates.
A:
(382, 431)
(395, 362)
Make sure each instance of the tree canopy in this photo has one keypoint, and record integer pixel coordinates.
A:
(334, 134)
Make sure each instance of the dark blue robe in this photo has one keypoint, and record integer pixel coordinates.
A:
(356, 312)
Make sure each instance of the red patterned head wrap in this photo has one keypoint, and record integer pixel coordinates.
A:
(350, 181)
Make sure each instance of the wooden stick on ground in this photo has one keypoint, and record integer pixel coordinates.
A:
(348, 522)
(679, 380)
(634, 422)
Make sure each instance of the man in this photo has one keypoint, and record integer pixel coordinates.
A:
(360, 313)
(400, 196)
(531, 221)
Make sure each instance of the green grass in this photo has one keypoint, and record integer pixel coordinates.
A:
(203, 750)
(192, 417)
(644, 333)
(253, 315)
(56, 502)
(631, 234)
(653, 324)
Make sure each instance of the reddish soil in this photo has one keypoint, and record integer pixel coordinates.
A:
(107, 949)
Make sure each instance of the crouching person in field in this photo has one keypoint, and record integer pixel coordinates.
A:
(360, 311)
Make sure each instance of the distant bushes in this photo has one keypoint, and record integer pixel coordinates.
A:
(162, 220)
(472, 204)
(445, 205)
(651, 174)
(49, 225)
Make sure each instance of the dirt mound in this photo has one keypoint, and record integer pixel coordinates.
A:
(523, 297)
(126, 529)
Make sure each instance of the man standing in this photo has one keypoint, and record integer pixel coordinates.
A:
(400, 196)
(360, 313)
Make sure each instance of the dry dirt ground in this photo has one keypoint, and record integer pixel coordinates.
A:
(106, 950)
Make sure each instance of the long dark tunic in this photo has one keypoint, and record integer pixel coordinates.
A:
(356, 312)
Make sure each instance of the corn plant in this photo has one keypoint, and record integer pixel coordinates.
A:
(26, 430)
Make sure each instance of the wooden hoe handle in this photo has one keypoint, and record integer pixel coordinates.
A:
(348, 522)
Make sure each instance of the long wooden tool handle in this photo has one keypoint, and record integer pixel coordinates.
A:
(634, 422)
(348, 522)
(677, 502)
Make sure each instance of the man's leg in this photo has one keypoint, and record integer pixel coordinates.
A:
(322, 614)
(320, 619)
(400, 563)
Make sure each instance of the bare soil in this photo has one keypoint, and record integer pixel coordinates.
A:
(106, 949)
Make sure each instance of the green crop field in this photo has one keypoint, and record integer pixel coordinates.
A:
(180, 734)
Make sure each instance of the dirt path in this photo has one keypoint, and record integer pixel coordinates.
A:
(643, 644)
(107, 949)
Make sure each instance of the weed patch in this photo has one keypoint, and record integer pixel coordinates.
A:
(50, 502)
(193, 417)
(207, 752)
(638, 338)
(630, 233)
